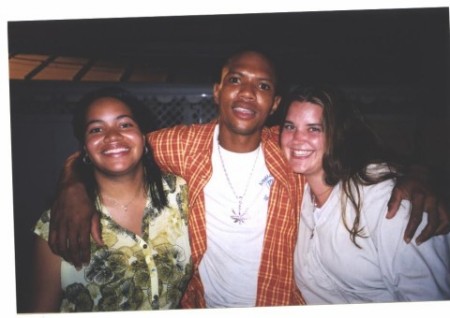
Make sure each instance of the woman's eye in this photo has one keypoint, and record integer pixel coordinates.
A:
(94, 130)
(315, 129)
(288, 127)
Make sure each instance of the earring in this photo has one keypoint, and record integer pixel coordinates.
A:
(86, 160)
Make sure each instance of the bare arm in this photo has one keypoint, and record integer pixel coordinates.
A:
(46, 284)
(418, 188)
(73, 218)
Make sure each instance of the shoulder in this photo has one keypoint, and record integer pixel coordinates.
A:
(271, 134)
(379, 169)
(272, 150)
(185, 129)
(382, 188)
(270, 137)
(375, 200)
(185, 133)
(377, 195)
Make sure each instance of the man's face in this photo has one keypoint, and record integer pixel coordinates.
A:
(246, 94)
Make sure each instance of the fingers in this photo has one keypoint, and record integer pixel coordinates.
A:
(70, 242)
(59, 244)
(438, 219)
(96, 230)
(84, 251)
(430, 207)
(429, 229)
(444, 219)
(79, 252)
(53, 238)
(57, 236)
(424, 198)
(417, 208)
(72, 254)
(394, 202)
(57, 240)
(438, 222)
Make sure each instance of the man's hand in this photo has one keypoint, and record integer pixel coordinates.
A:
(423, 200)
(73, 217)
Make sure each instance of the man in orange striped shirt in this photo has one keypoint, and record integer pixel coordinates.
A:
(244, 201)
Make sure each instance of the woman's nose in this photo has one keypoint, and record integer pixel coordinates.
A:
(299, 135)
(112, 134)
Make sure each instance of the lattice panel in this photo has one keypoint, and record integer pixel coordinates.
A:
(170, 106)
(181, 110)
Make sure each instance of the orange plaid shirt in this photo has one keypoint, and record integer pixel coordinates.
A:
(186, 151)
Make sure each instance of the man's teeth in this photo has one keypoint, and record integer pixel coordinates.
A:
(244, 110)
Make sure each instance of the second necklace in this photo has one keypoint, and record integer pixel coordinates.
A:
(239, 216)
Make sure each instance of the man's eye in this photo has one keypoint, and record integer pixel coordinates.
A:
(233, 80)
(126, 125)
(265, 86)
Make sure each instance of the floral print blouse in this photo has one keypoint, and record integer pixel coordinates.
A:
(132, 272)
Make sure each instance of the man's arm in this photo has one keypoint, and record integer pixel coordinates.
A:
(419, 188)
(73, 217)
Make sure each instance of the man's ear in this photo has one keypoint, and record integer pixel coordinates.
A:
(276, 103)
(216, 91)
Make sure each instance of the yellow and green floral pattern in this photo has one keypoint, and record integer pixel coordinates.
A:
(133, 272)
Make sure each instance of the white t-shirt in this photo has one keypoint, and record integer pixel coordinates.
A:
(330, 269)
(229, 268)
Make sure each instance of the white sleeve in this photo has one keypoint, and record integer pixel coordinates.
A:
(411, 272)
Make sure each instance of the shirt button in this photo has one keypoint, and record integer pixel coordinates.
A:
(144, 246)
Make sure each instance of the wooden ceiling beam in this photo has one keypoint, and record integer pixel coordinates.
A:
(127, 73)
(84, 70)
(39, 68)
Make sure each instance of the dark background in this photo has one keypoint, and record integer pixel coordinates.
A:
(370, 47)
(395, 63)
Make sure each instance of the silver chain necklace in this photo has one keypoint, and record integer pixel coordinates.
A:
(314, 204)
(238, 217)
(116, 203)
